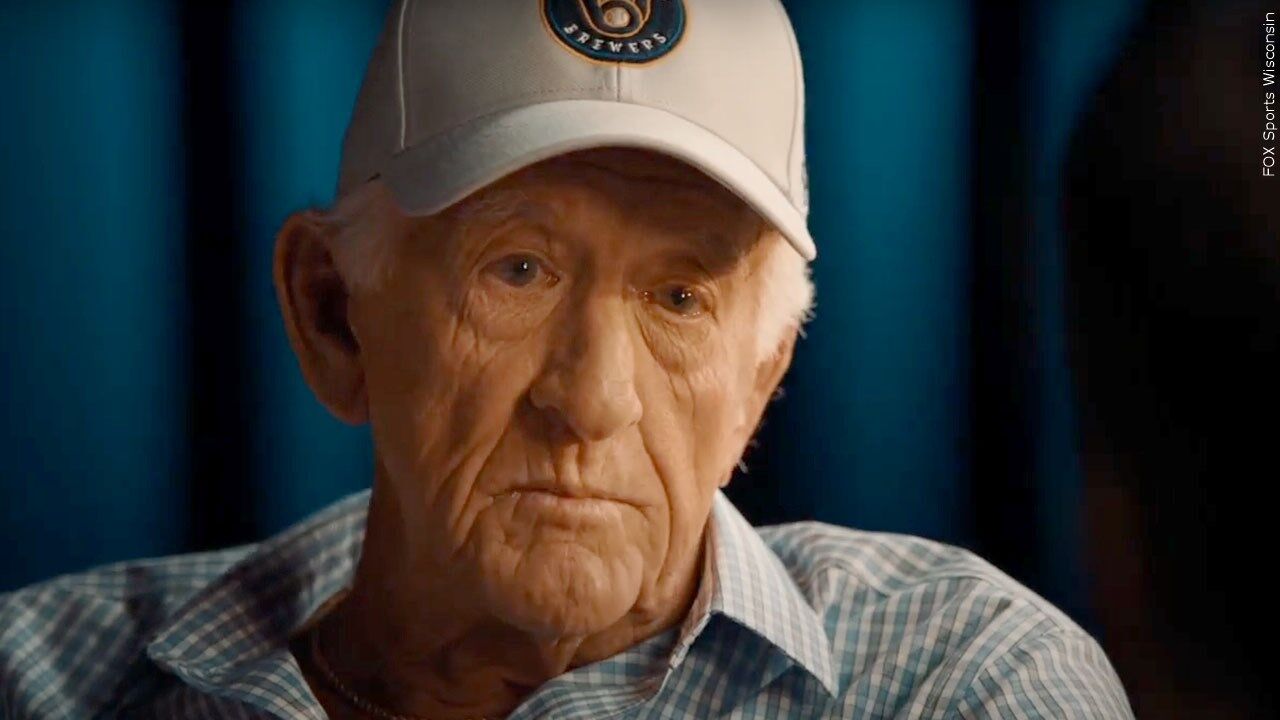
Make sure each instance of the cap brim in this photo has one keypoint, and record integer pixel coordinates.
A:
(433, 175)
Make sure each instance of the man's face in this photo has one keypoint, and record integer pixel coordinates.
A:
(560, 372)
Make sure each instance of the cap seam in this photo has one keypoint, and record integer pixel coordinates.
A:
(796, 99)
(404, 102)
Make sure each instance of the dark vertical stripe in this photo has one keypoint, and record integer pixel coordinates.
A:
(1077, 41)
(1003, 419)
(299, 101)
(219, 416)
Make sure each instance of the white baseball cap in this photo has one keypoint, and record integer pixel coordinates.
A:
(460, 93)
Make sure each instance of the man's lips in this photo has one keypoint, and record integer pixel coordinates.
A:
(559, 491)
(555, 491)
(560, 507)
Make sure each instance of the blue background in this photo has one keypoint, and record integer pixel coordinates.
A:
(117, 440)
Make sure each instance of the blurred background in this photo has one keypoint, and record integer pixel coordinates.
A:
(149, 402)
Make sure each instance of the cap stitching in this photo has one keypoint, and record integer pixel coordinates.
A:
(797, 98)
(404, 104)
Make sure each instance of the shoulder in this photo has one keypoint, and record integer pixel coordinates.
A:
(969, 638)
(887, 562)
(68, 643)
(824, 559)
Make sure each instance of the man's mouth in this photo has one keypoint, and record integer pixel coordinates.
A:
(561, 492)
(561, 500)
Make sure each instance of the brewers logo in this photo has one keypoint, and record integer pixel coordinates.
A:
(631, 31)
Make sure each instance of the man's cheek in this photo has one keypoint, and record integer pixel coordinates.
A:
(461, 389)
(718, 433)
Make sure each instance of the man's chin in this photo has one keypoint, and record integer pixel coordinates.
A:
(563, 589)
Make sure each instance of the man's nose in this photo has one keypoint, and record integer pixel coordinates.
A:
(588, 385)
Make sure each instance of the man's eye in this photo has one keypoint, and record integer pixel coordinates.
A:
(520, 271)
(681, 300)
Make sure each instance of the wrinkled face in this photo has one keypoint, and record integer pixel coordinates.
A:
(560, 372)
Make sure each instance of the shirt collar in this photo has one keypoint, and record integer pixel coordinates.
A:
(231, 639)
(232, 636)
(746, 582)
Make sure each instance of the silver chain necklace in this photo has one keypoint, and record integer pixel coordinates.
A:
(351, 696)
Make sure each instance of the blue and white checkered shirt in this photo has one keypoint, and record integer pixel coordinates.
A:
(795, 621)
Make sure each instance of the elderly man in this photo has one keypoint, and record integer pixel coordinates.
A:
(561, 282)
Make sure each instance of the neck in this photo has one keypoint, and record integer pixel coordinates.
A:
(415, 645)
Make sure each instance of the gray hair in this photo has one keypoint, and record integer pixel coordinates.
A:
(359, 219)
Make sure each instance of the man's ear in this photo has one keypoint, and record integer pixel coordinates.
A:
(314, 300)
